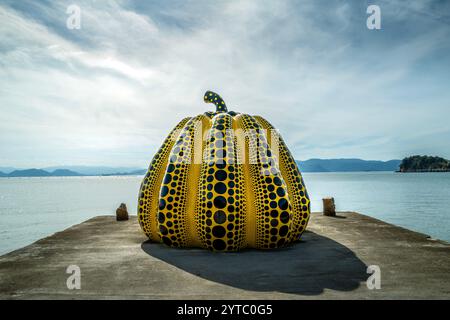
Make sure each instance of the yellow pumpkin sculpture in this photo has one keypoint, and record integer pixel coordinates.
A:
(217, 182)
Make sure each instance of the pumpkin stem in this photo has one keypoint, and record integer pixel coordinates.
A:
(212, 97)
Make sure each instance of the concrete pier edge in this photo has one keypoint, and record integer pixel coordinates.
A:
(330, 262)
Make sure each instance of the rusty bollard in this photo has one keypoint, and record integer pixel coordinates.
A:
(122, 212)
(329, 208)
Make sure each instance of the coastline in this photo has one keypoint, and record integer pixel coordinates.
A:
(34, 208)
(423, 171)
(329, 263)
(142, 174)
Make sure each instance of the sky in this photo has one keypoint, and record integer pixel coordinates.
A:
(109, 92)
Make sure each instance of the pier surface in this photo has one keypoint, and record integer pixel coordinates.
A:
(330, 262)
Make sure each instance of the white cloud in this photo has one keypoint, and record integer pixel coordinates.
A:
(110, 92)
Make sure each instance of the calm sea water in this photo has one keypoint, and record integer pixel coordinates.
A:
(32, 208)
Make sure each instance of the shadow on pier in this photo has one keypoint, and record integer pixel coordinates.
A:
(307, 267)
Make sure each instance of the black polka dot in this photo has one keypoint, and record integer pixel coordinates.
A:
(167, 179)
(163, 230)
(221, 153)
(221, 165)
(284, 230)
(164, 191)
(220, 144)
(281, 192)
(219, 244)
(218, 231)
(277, 181)
(220, 217)
(221, 175)
(283, 204)
(284, 217)
(220, 187)
(167, 241)
(220, 202)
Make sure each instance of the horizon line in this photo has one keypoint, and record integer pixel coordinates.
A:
(137, 166)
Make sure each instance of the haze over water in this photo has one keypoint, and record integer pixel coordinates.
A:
(32, 208)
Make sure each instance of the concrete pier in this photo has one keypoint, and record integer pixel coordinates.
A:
(330, 262)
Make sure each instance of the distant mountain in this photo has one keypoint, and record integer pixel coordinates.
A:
(424, 164)
(64, 173)
(41, 173)
(347, 165)
(29, 173)
(7, 170)
(311, 165)
(95, 170)
(131, 173)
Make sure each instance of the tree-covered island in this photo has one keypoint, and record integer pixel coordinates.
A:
(424, 164)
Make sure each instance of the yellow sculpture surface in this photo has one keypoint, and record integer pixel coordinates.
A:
(219, 182)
